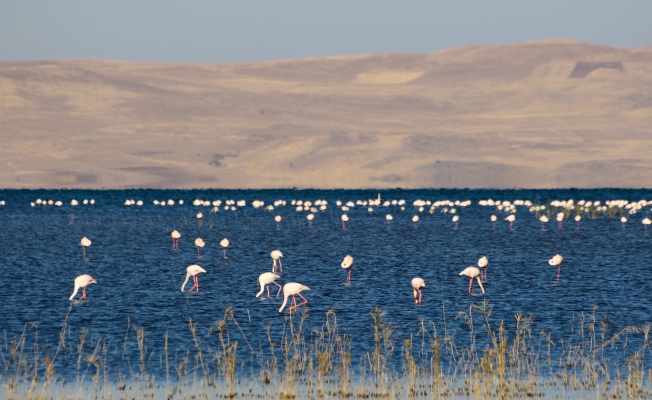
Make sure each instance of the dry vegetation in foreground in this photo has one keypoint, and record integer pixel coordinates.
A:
(429, 364)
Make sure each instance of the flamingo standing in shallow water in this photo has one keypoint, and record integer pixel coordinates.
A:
(417, 285)
(511, 218)
(483, 263)
(310, 217)
(493, 221)
(293, 289)
(224, 243)
(473, 272)
(560, 220)
(200, 216)
(276, 256)
(543, 220)
(85, 242)
(267, 278)
(645, 223)
(556, 262)
(193, 271)
(347, 264)
(623, 222)
(81, 282)
(456, 219)
(345, 218)
(175, 240)
(577, 221)
(199, 243)
(278, 222)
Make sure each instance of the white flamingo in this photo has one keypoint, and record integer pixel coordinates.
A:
(347, 264)
(199, 243)
(85, 242)
(543, 220)
(417, 285)
(483, 263)
(511, 218)
(556, 262)
(200, 216)
(175, 240)
(473, 272)
(193, 271)
(224, 243)
(267, 278)
(81, 282)
(345, 218)
(276, 256)
(293, 289)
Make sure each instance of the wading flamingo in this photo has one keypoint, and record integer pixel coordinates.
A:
(224, 243)
(556, 262)
(175, 240)
(278, 222)
(193, 271)
(417, 285)
(200, 216)
(267, 278)
(310, 217)
(543, 220)
(293, 289)
(493, 221)
(511, 218)
(645, 223)
(199, 243)
(577, 221)
(456, 219)
(560, 220)
(623, 222)
(347, 264)
(344, 219)
(85, 242)
(81, 282)
(276, 256)
(483, 263)
(472, 272)
(415, 219)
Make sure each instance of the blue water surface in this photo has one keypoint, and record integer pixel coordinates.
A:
(139, 275)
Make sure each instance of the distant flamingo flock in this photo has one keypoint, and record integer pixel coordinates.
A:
(561, 210)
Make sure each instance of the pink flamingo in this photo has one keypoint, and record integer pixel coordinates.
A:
(224, 243)
(556, 262)
(175, 240)
(483, 263)
(81, 282)
(199, 243)
(85, 242)
(347, 264)
(473, 272)
(417, 285)
(193, 271)
(345, 218)
(276, 256)
(293, 289)
(266, 279)
(200, 216)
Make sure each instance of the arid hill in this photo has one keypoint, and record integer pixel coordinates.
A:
(539, 114)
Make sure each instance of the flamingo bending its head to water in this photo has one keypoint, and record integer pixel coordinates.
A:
(293, 289)
(81, 282)
(276, 256)
(417, 285)
(267, 278)
(175, 240)
(85, 242)
(224, 243)
(483, 263)
(199, 243)
(193, 271)
(473, 272)
(347, 264)
(556, 262)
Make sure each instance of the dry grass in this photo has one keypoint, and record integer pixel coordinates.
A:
(492, 363)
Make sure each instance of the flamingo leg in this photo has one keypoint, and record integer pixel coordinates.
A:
(84, 251)
(224, 253)
(348, 277)
(280, 264)
(471, 285)
(278, 226)
(305, 301)
(558, 271)
(493, 225)
(279, 289)
(268, 291)
(343, 226)
(310, 224)
(419, 296)
(83, 294)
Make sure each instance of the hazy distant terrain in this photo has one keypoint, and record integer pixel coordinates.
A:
(537, 114)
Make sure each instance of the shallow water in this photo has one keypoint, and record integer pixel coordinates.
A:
(139, 275)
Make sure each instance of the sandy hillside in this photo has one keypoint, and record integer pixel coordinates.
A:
(537, 114)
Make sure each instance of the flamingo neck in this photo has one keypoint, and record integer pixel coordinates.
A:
(186, 281)
(75, 292)
(285, 300)
(262, 289)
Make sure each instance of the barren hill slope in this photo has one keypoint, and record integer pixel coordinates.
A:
(537, 114)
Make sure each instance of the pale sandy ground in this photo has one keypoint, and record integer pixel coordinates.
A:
(476, 116)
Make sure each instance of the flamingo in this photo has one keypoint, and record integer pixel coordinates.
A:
(415, 219)
(577, 221)
(389, 219)
(556, 262)
(417, 285)
(175, 239)
(645, 223)
(560, 220)
(493, 221)
(543, 220)
(224, 243)
(85, 242)
(456, 219)
(623, 222)
(193, 271)
(344, 219)
(310, 217)
(483, 263)
(511, 218)
(267, 278)
(347, 264)
(276, 256)
(81, 282)
(293, 289)
(472, 272)
(199, 243)
(278, 222)
(199, 219)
